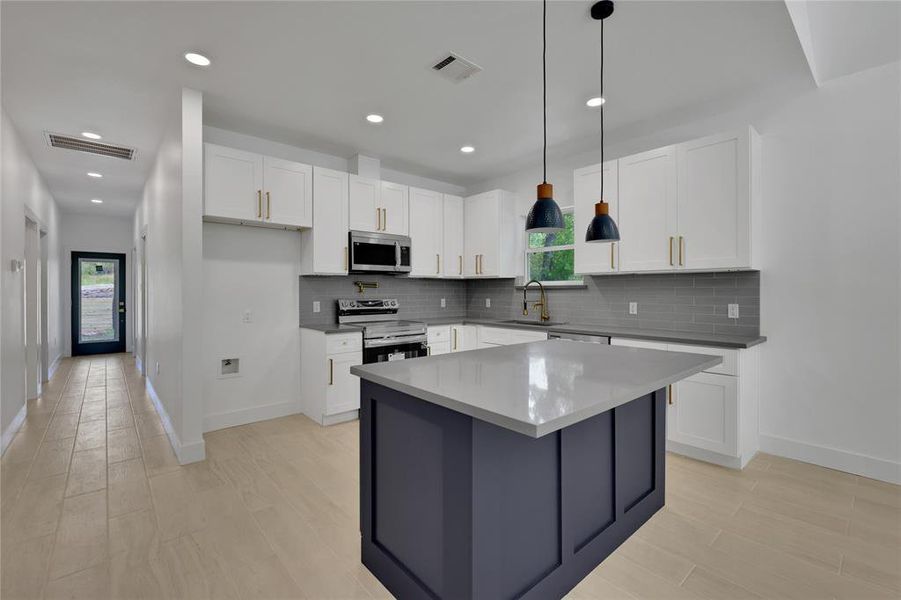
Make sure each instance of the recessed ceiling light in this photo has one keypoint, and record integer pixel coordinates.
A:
(197, 59)
(93, 174)
(90, 135)
(96, 200)
(374, 118)
(595, 102)
(467, 149)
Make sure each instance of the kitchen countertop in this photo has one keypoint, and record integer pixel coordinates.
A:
(540, 387)
(658, 335)
(718, 340)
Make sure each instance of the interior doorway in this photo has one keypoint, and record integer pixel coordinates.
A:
(98, 303)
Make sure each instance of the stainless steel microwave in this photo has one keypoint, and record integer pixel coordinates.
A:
(379, 252)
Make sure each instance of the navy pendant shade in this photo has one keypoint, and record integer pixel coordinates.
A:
(602, 227)
(545, 216)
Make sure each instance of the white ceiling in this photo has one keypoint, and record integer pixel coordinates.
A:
(306, 73)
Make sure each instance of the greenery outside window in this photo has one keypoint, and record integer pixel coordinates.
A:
(550, 257)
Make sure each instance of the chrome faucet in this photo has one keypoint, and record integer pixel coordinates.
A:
(542, 301)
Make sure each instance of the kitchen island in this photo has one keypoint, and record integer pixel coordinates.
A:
(510, 472)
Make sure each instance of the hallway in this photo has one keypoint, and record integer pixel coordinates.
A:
(95, 505)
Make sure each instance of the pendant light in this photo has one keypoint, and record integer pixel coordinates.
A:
(545, 215)
(602, 227)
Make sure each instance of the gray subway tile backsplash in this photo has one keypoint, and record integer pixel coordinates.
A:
(690, 302)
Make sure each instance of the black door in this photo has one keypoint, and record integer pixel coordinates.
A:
(98, 303)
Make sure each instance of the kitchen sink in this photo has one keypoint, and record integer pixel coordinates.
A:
(538, 323)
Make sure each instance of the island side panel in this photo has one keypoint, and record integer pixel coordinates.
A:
(415, 494)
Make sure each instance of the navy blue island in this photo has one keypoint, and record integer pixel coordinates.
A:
(510, 472)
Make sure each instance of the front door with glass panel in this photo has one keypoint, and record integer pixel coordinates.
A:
(98, 303)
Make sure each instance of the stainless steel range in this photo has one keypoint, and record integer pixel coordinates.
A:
(385, 337)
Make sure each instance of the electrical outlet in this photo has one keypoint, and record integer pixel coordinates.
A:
(443, 303)
(247, 316)
(487, 302)
(316, 306)
(733, 311)
(633, 308)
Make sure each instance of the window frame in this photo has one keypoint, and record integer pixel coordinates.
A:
(527, 276)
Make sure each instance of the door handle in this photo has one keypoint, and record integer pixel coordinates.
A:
(681, 251)
(461, 264)
(384, 219)
(345, 258)
(331, 372)
(437, 264)
(671, 251)
(669, 395)
(259, 204)
(455, 338)
(268, 207)
(611, 256)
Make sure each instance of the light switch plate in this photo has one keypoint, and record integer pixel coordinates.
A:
(316, 306)
(487, 302)
(733, 311)
(633, 308)
(443, 303)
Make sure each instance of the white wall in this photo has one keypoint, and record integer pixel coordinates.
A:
(250, 269)
(830, 298)
(256, 269)
(22, 191)
(169, 215)
(81, 232)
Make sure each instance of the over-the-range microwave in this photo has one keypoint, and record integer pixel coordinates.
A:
(378, 252)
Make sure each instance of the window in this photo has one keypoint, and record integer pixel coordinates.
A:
(550, 256)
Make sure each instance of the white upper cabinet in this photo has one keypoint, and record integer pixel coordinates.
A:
(594, 257)
(426, 232)
(714, 201)
(323, 249)
(647, 211)
(233, 184)
(250, 188)
(395, 205)
(288, 190)
(365, 209)
(453, 237)
(490, 236)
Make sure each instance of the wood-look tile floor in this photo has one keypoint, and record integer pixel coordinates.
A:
(95, 505)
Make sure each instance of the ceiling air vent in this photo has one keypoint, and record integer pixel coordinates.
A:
(69, 142)
(456, 68)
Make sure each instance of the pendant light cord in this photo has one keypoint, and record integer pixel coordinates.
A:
(604, 98)
(544, 83)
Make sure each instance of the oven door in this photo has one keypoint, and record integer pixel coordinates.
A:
(392, 352)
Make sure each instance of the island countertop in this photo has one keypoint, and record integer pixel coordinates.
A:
(540, 387)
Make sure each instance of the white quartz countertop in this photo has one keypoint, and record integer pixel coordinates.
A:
(540, 387)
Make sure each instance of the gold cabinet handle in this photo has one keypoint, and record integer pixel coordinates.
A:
(345, 258)
(331, 372)
(378, 219)
(455, 339)
(476, 257)
(681, 251)
(428, 350)
(461, 264)
(268, 207)
(671, 251)
(611, 256)
(259, 204)
(437, 264)
(384, 219)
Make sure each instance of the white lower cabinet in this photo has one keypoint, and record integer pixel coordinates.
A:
(712, 416)
(502, 336)
(464, 337)
(439, 339)
(329, 393)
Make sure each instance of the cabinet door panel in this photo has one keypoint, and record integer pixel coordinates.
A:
(647, 210)
(464, 337)
(395, 208)
(364, 204)
(288, 196)
(233, 183)
(472, 235)
(714, 202)
(343, 391)
(453, 236)
(704, 413)
(426, 232)
(330, 229)
(594, 257)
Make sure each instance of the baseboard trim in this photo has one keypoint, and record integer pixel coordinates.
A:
(243, 416)
(7, 436)
(351, 415)
(54, 366)
(832, 458)
(186, 453)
